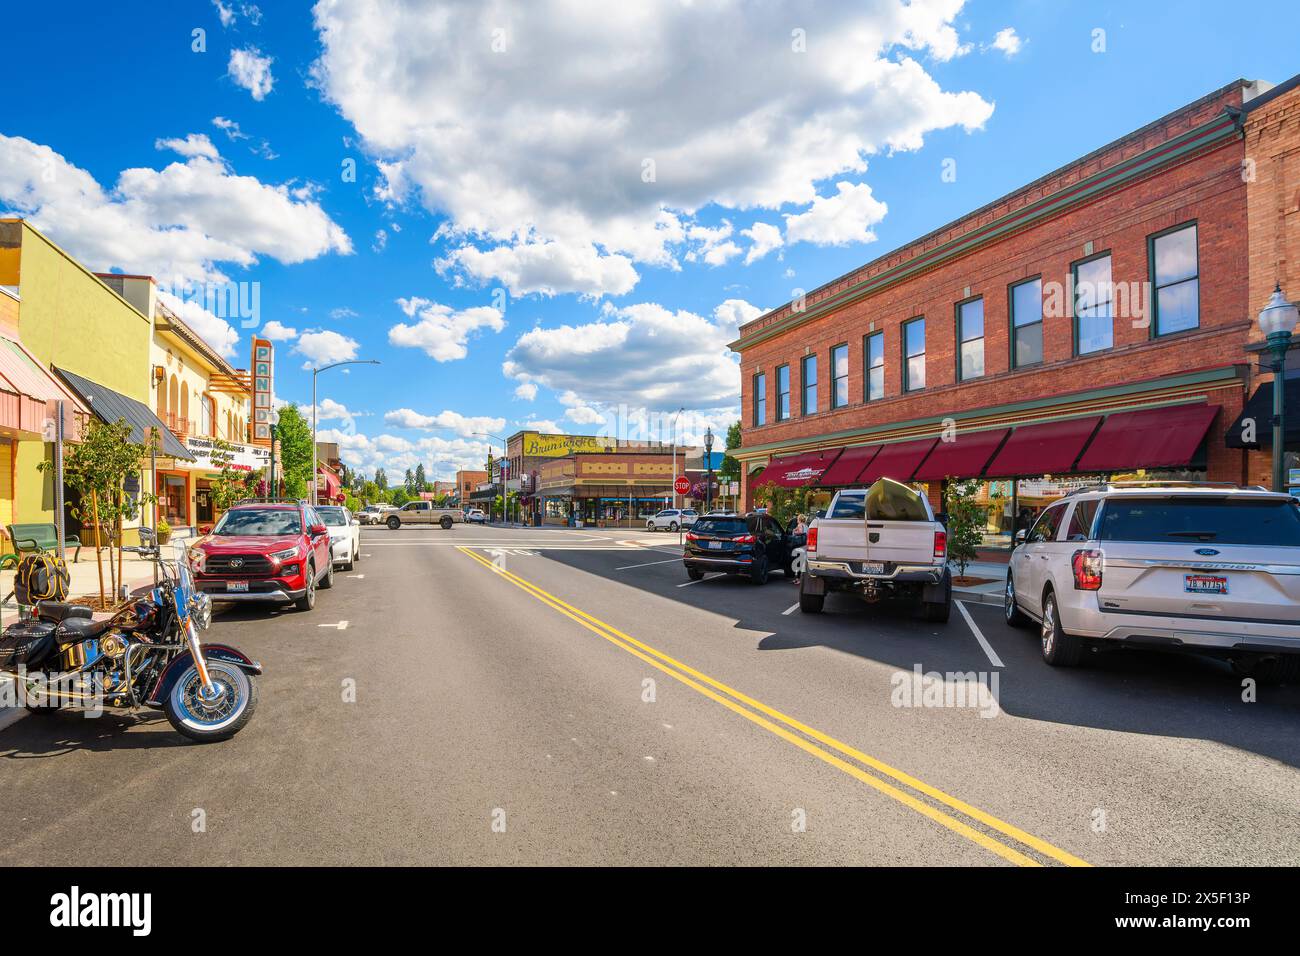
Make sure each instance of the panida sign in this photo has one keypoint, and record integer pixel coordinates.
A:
(242, 457)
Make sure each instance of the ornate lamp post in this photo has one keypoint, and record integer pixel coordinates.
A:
(708, 462)
(314, 410)
(1278, 321)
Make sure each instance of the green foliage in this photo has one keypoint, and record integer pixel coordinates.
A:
(399, 496)
(421, 484)
(229, 485)
(784, 503)
(965, 525)
(294, 434)
(729, 470)
(370, 493)
(381, 479)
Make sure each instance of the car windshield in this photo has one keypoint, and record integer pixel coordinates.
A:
(332, 516)
(269, 521)
(721, 526)
(1271, 522)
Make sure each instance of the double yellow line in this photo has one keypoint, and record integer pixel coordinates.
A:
(1001, 840)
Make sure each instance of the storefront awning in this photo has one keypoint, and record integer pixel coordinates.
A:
(897, 461)
(1149, 438)
(797, 471)
(963, 457)
(851, 463)
(1049, 448)
(109, 406)
(1259, 411)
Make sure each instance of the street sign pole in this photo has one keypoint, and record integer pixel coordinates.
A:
(58, 474)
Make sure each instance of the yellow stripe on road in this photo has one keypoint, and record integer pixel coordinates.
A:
(715, 690)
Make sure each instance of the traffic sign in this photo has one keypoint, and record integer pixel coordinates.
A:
(682, 485)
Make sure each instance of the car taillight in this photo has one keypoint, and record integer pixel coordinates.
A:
(811, 543)
(692, 536)
(1087, 570)
(940, 544)
(744, 539)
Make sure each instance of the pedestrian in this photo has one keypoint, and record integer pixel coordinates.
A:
(797, 556)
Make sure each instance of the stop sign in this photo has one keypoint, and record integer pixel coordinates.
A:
(682, 485)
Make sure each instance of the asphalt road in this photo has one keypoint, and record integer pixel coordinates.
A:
(541, 696)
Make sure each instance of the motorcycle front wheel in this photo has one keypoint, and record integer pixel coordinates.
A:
(193, 714)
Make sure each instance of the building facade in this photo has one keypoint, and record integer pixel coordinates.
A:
(1090, 324)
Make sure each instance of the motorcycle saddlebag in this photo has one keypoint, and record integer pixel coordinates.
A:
(25, 643)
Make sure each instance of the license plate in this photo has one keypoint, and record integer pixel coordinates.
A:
(873, 567)
(1205, 584)
(236, 585)
(713, 544)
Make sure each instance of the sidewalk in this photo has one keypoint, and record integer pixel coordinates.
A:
(991, 593)
(136, 573)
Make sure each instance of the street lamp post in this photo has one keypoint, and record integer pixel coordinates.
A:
(708, 462)
(501, 469)
(1277, 321)
(314, 373)
(673, 448)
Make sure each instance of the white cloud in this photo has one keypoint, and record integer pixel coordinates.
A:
(251, 70)
(331, 411)
(463, 425)
(1007, 41)
(195, 144)
(764, 237)
(527, 391)
(178, 222)
(324, 347)
(538, 155)
(230, 12)
(837, 220)
(442, 332)
(642, 356)
(343, 312)
(544, 425)
(584, 415)
(441, 457)
(217, 332)
(277, 331)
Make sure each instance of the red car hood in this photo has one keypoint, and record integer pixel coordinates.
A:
(243, 544)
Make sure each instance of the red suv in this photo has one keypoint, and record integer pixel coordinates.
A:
(277, 551)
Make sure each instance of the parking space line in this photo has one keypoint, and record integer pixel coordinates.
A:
(790, 610)
(629, 567)
(707, 577)
(814, 742)
(979, 636)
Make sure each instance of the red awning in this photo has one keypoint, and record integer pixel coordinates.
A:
(852, 462)
(897, 461)
(796, 471)
(1046, 449)
(1149, 438)
(963, 457)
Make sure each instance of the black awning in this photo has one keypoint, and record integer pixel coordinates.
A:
(1260, 410)
(109, 406)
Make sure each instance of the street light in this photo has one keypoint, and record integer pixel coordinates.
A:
(275, 424)
(499, 468)
(314, 373)
(673, 448)
(1278, 321)
(708, 461)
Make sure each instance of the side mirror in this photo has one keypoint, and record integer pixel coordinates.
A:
(318, 529)
(1021, 535)
(356, 521)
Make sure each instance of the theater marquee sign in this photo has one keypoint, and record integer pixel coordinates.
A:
(242, 457)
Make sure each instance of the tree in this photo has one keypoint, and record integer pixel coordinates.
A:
(370, 493)
(420, 483)
(97, 469)
(398, 496)
(784, 503)
(409, 482)
(965, 524)
(729, 470)
(294, 433)
(381, 479)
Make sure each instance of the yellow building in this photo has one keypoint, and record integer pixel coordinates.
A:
(57, 315)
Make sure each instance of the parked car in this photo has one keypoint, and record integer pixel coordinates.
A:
(670, 519)
(345, 535)
(882, 542)
(265, 550)
(753, 545)
(422, 513)
(371, 514)
(475, 515)
(1180, 566)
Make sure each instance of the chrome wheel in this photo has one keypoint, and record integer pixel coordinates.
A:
(1049, 625)
(216, 715)
(1009, 599)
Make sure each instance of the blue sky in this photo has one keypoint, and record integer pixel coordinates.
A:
(557, 216)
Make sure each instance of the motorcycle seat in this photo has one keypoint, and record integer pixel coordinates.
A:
(73, 630)
(57, 611)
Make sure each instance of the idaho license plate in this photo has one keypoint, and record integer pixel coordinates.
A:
(236, 585)
(714, 544)
(873, 567)
(1205, 584)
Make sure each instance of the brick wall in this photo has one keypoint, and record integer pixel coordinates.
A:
(1207, 189)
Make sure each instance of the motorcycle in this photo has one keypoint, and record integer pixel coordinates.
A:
(146, 655)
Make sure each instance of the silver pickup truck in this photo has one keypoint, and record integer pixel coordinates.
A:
(882, 542)
(423, 513)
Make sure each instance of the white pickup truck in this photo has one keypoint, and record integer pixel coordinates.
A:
(423, 512)
(880, 542)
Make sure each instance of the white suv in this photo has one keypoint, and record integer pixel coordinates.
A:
(671, 519)
(1175, 566)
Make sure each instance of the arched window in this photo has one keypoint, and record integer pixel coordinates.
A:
(173, 402)
(207, 421)
(184, 423)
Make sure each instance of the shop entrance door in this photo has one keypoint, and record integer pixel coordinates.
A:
(203, 504)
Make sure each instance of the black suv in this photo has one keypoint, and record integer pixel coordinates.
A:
(753, 545)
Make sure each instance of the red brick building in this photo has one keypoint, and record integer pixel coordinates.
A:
(1092, 323)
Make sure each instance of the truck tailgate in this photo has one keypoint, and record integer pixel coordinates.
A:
(902, 542)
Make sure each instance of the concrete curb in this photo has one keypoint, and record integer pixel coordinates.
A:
(971, 596)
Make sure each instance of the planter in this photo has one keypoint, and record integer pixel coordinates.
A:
(164, 537)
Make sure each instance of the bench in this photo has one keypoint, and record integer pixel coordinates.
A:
(36, 538)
